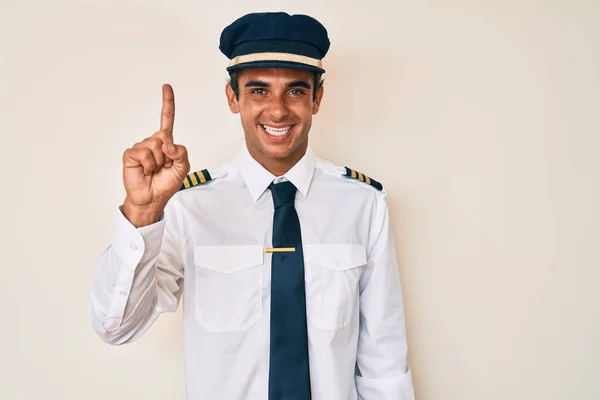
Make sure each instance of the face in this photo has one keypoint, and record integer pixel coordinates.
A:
(276, 108)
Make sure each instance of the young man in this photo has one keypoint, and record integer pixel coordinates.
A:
(286, 261)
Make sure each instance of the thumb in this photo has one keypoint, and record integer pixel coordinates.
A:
(173, 151)
(178, 154)
(169, 149)
(175, 154)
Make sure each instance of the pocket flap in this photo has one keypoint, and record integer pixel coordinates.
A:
(335, 256)
(228, 259)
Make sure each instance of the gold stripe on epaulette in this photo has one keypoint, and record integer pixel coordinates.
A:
(202, 178)
(193, 179)
(359, 176)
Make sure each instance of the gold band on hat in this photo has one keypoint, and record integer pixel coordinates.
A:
(246, 58)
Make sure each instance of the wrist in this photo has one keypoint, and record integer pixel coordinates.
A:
(140, 216)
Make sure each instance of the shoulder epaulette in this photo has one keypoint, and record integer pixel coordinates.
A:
(363, 178)
(195, 179)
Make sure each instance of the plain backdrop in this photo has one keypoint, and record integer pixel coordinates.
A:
(481, 118)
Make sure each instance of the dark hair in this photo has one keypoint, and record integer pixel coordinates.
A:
(234, 82)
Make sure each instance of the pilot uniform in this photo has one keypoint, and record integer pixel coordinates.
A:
(214, 244)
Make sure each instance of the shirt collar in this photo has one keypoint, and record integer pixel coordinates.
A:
(258, 178)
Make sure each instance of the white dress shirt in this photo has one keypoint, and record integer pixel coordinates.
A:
(209, 245)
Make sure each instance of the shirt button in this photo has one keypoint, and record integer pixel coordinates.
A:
(280, 180)
(133, 246)
(123, 293)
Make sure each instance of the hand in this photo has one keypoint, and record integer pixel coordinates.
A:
(154, 169)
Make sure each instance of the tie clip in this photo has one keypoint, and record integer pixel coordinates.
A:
(280, 249)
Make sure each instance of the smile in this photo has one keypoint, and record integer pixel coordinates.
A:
(276, 131)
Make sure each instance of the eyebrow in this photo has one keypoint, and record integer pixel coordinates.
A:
(303, 84)
(257, 83)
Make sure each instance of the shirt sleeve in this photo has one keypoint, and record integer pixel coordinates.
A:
(138, 277)
(382, 371)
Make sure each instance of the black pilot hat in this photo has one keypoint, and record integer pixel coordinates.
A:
(275, 40)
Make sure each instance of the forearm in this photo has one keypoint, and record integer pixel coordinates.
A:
(383, 372)
(133, 283)
(382, 349)
(121, 300)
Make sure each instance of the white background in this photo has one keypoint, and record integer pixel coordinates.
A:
(480, 118)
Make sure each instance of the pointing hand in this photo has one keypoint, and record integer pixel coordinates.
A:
(154, 169)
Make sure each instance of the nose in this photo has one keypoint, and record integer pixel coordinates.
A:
(277, 108)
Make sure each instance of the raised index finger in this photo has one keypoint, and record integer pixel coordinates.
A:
(167, 116)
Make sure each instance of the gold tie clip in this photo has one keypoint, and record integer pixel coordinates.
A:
(279, 249)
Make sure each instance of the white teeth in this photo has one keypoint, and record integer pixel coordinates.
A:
(276, 131)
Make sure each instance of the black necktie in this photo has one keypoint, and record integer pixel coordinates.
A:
(289, 375)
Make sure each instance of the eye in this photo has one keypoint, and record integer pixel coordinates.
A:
(258, 91)
(296, 92)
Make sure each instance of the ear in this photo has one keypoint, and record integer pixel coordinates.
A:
(234, 105)
(317, 102)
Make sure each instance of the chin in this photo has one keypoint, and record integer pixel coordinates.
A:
(278, 154)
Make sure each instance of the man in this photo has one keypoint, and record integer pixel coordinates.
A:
(287, 261)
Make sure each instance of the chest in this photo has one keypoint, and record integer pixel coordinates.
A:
(228, 272)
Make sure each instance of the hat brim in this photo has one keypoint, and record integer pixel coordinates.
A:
(275, 64)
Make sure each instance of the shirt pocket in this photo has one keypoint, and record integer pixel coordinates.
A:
(332, 283)
(228, 287)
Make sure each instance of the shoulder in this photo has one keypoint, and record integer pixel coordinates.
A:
(350, 176)
(203, 178)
